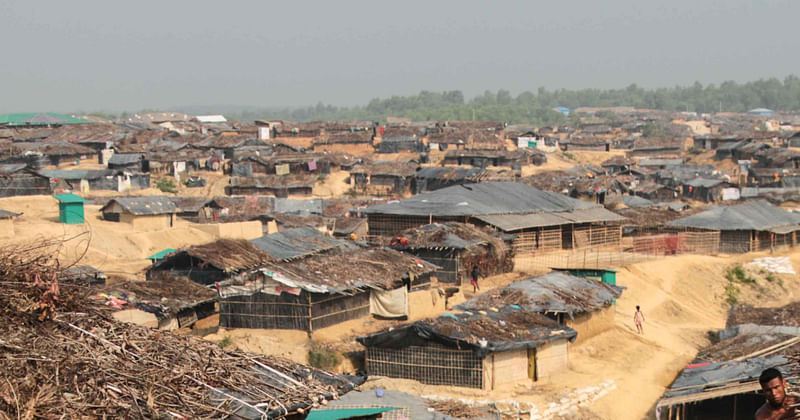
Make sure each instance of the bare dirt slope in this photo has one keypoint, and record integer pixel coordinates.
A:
(114, 248)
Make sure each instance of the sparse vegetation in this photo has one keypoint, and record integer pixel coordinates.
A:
(322, 357)
(731, 294)
(225, 342)
(569, 156)
(737, 274)
(167, 185)
(351, 192)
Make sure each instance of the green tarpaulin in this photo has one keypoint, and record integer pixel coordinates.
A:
(346, 413)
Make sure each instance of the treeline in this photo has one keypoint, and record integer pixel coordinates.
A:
(537, 107)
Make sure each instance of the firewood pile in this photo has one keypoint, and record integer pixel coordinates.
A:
(65, 357)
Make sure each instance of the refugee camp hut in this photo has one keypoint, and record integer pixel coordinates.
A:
(351, 227)
(617, 164)
(483, 158)
(40, 154)
(456, 248)
(175, 302)
(323, 289)
(660, 163)
(70, 209)
(793, 140)
(212, 262)
(654, 191)
(16, 179)
(296, 185)
(383, 177)
(586, 143)
(708, 190)
(400, 139)
(583, 304)
(431, 179)
(752, 226)
(135, 162)
(7, 223)
(471, 350)
(726, 389)
(86, 180)
(142, 213)
(778, 157)
(539, 220)
(657, 147)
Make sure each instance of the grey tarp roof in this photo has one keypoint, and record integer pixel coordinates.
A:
(125, 158)
(704, 378)
(552, 292)
(77, 174)
(704, 182)
(10, 168)
(753, 215)
(145, 205)
(5, 214)
(661, 162)
(481, 199)
(635, 201)
(294, 243)
(512, 222)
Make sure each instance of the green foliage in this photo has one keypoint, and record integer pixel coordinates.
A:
(225, 342)
(167, 185)
(322, 357)
(731, 294)
(772, 278)
(351, 192)
(537, 107)
(569, 156)
(737, 274)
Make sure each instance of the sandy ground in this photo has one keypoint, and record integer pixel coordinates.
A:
(682, 298)
(114, 248)
(561, 161)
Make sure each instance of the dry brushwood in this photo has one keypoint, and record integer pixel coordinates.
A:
(64, 357)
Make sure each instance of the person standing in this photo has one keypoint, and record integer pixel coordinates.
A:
(475, 274)
(638, 319)
(778, 405)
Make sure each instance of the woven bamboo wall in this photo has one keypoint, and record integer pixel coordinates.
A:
(429, 365)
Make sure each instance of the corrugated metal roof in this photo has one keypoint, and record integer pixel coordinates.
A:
(144, 205)
(10, 168)
(512, 222)
(481, 199)
(753, 215)
(77, 174)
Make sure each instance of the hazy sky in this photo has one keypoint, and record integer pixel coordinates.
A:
(109, 55)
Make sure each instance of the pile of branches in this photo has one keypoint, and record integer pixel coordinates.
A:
(65, 357)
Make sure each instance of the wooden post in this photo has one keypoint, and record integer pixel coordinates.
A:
(310, 317)
(735, 400)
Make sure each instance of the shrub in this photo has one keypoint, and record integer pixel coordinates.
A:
(322, 357)
(738, 274)
(225, 342)
(167, 185)
(731, 294)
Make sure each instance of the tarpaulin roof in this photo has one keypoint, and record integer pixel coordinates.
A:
(636, 201)
(512, 222)
(553, 292)
(5, 214)
(77, 174)
(481, 199)
(507, 329)
(707, 377)
(144, 205)
(43, 118)
(294, 243)
(125, 158)
(753, 215)
(703, 182)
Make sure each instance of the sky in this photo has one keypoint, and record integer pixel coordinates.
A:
(127, 56)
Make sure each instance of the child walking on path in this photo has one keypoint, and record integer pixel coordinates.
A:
(638, 319)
